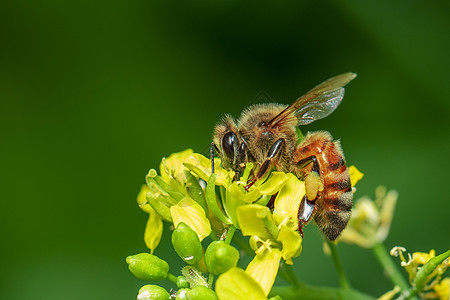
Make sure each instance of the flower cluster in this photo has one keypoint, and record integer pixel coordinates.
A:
(425, 272)
(202, 204)
(206, 204)
(196, 201)
(371, 220)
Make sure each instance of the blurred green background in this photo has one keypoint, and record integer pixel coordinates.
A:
(94, 93)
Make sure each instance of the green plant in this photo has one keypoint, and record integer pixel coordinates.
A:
(214, 212)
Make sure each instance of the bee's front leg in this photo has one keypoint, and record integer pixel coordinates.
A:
(273, 151)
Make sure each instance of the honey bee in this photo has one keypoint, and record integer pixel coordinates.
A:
(266, 134)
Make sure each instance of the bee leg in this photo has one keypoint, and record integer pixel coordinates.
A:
(313, 184)
(273, 151)
(305, 212)
(313, 181)
(306, 161)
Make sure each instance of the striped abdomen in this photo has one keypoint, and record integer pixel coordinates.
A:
(334, 203)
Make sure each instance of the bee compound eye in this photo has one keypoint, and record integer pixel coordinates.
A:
(229, 141)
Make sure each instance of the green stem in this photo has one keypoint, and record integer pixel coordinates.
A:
(293, 277)
(389, 267)
(337, 263)
(230, 234)
(172, 278)
(287, 273)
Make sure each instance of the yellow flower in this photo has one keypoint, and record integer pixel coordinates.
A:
(253, 220)
(275, 182)
(264, 267)
(355, 175)
(273, 236)
(153, 230)
(371, 220)
(142, 199)
(172, 167)
(442, 289)
(237, 196)
(201, 166)
(288, 200)
(238, 285)
(291, 241)
(154, 227)
(418, 259)
(425, 272)
(192, 214)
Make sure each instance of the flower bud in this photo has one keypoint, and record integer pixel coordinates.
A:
(220, 257)
(201, 292)
(187, 244)
(182, 282)
(148, 267)
(152, 292)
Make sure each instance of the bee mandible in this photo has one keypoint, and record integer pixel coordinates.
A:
(266, 134)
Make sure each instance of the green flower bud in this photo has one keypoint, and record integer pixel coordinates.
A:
(152, 292)
(148, 267)
(182, 282)
(181, 294)
(187, 244)
(220, 257)
(201, 293)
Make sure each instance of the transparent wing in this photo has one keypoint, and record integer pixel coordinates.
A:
(316, 104)
(319, 107)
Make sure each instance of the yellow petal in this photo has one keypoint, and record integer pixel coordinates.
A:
(231, 207)
(386, 215)
(142, 199)
(238, 285)
(237, 191)
(273, 184)
(442, 289)
(201, 166)
(352, 236)
(264, 268)
(421, 258)
(250, 218)
(288, 199)
(355, 175)
(292, 243)
(172, 167)
(153, 230)
(192, 214)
